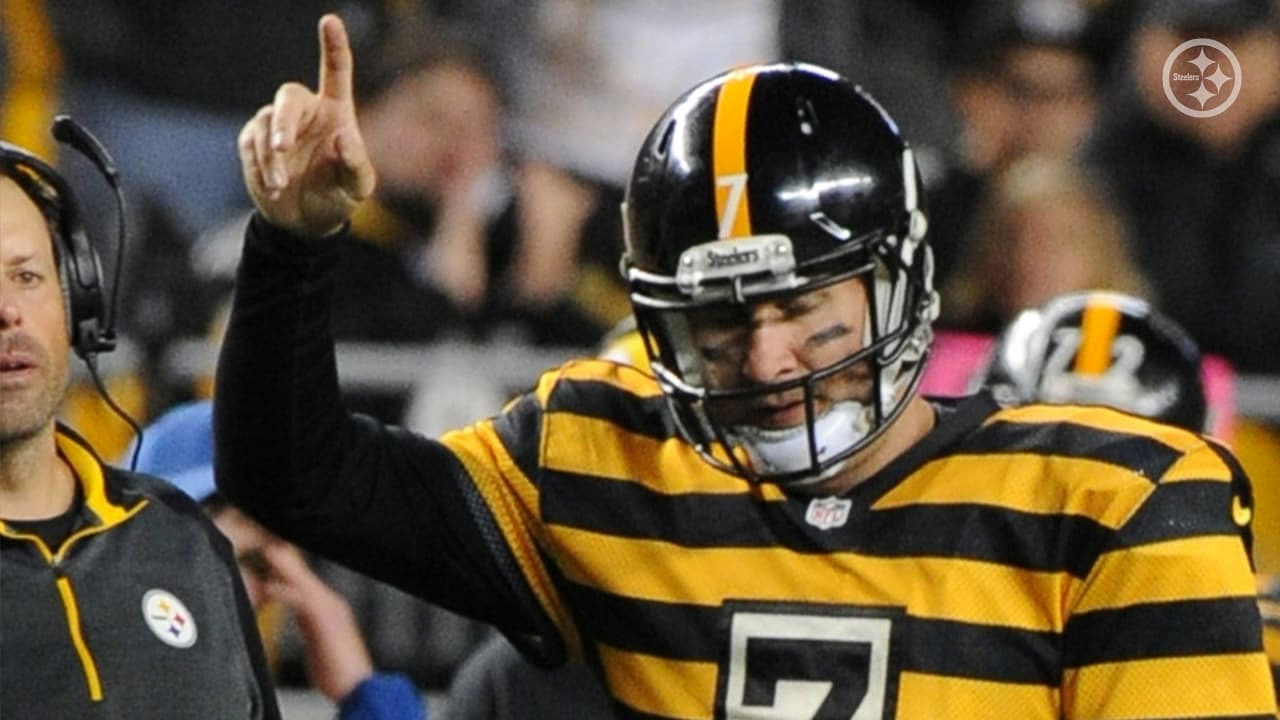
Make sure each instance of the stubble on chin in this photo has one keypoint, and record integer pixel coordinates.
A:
(25, 413)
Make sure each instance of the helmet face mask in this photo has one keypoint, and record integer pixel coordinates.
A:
(780, 197)
(1100, 348)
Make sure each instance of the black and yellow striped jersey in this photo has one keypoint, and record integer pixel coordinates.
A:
(1042, 562)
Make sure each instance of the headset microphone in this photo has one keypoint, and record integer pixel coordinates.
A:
(69, 132)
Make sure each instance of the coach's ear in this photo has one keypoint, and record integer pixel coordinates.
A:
(302, 156)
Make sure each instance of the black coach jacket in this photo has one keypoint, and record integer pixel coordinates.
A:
(139, 613)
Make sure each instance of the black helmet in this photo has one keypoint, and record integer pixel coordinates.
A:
(1100, 348)
(757, 185)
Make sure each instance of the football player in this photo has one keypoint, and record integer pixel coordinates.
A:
(1108, 348)
(774, 524)
(1100, 348)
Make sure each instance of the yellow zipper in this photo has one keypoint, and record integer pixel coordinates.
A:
(77, 639)
(69, 606)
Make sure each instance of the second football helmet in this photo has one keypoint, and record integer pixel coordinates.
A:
(764, 184)
(1100, 348)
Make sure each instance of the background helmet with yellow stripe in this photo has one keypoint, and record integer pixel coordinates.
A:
(1100, 348)
(769, 181)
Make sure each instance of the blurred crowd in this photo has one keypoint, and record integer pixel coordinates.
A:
(1062, 143)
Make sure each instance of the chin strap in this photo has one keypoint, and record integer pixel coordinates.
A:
(787, 450)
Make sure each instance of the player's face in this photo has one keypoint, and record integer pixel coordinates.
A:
(779, 340)
(34, 341)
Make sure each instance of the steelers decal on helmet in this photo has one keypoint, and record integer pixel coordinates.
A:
(728, 152)
(168, 618)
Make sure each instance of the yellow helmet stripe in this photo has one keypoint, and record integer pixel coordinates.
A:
(729, 158)
(1098, 327)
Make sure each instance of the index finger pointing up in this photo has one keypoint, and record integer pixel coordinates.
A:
(335, 59)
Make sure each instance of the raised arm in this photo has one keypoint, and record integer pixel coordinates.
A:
(380, 499)
(281, 432)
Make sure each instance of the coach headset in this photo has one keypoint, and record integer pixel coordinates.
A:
(92, 328)
(90, 321)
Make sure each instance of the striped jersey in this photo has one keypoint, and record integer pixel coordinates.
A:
(1040, 563)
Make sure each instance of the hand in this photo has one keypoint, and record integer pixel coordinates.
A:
(336, 656)
(303, 159)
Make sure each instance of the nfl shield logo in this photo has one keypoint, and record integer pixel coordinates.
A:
(829, 512)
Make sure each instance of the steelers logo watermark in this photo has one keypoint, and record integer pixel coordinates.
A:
(168, 618)
(1201, 78)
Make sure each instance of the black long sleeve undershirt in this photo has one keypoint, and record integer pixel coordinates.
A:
(380, 499)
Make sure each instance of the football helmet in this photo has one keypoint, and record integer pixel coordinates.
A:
(760, 185)
(1100, 348)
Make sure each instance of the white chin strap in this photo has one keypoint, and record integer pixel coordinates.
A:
(787, 450)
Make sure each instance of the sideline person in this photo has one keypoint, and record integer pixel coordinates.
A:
(118, 598)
